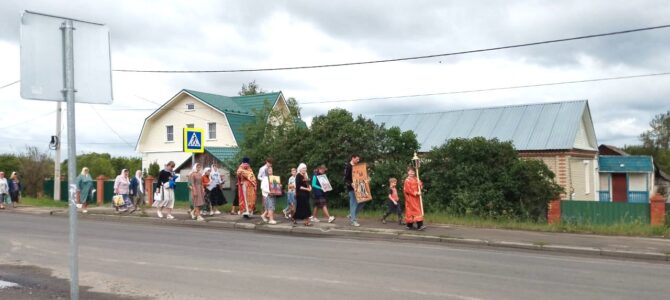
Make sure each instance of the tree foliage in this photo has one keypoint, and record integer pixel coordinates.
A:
(252, 88)
(487, 178)
(104, 164)
(658, 137)
(34, 167)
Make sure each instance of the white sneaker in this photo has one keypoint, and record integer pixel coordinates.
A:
(84, 211)
(169, 217)
(286, 215)
(264, 219)
(331, 219)
(355, 224)
(200, 219)
(191, 212)
(160, 214)
(272, 222)
(211, 213)
(315, 220)
(217, 212)
(79, 205)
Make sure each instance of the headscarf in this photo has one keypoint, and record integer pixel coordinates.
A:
(301, 166)
(83, 170)
(195, 168)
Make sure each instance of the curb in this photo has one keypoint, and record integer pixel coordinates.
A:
(368, 233)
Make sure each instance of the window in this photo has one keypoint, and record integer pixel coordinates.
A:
(212, 130)
(587, 177)
(190, 126)
(170, 133)
(190, 107)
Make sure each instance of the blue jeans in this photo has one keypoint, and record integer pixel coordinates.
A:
(354, 206)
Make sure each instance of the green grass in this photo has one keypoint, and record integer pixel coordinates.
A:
(628, 229)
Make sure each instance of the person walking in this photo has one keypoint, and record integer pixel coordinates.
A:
(246, 188)
(197, 191)
(290, 195)
(4, 191)
(15, 188)
(394, 202)
(85, 188)
(263, 171)
(354, 206)
(164, 197)
(412, 190)
(137, 192)
(269, 200)
(320, 200)
(207, 207)
(122, 187)
(215, 190)
(302, 211)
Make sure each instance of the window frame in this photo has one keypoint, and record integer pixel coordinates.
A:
(210, 131)
(169, 136)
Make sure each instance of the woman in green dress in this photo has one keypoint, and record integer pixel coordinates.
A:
(85, 189)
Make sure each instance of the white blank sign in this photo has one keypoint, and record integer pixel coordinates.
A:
(42, 60)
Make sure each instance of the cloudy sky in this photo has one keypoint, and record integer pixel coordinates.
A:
(186, 35)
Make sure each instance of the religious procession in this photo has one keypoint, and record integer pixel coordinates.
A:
(306, 194)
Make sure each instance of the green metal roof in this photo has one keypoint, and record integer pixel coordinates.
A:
(256, 102)
(239, 110)
(223, 154)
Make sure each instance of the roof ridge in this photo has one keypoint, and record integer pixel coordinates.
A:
(488, 107)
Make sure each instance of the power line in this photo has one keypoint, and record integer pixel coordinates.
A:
(9, 84)
(491, 89)
(402, 58)
(108, 126)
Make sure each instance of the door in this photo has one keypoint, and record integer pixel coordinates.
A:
(619, 187)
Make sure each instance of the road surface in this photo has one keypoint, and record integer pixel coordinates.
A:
(118, 261)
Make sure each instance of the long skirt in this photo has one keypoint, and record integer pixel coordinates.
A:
(164, 198)
(302, 209)
(216, 197)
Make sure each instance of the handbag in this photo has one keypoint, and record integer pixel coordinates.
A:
(118, 200)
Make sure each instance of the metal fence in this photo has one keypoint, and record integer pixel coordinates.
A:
(593, 212)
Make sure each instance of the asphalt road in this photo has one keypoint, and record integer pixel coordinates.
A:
(161, 262)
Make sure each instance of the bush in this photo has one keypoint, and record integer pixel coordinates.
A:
(486, 178)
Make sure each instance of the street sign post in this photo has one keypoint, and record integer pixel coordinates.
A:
(193, 140)
(50, 58)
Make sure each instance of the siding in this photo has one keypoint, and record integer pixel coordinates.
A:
(604, 182)
(154, 137)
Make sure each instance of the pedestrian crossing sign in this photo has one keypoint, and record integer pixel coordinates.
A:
(193, 142)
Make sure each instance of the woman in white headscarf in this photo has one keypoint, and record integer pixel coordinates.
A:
(303, 188)
(122, 187)
(85, 188)
(214, 187)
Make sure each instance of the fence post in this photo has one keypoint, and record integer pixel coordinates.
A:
(657, 206)
(554, 213)
(100, 190)
(149, 189)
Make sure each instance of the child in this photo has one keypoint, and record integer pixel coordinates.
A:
(320, 200)
(394, 205)
(290, 195)
(268, 199)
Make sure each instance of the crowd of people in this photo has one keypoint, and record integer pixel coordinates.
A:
(206, 191)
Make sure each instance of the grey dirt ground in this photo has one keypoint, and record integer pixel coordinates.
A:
(163, 262)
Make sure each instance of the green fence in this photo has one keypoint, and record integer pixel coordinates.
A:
(593, 212)
(48, 186)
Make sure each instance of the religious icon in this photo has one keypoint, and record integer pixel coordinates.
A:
(324, 182)
(361, 183)
(275, 185)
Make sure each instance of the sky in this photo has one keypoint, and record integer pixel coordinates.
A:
(189, 35)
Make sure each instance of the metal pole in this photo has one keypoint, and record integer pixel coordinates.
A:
(68, 91)
(57, 160)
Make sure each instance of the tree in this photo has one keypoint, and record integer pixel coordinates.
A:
(34, 167)
(154, 169)
(250, 89)
(293, 107)
(658, 137)
(9, 163)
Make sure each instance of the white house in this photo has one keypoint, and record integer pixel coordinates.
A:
(222, 118)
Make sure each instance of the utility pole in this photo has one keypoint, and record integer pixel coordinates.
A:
(57, 149)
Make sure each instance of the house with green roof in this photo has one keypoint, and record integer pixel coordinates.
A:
(221, 117)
